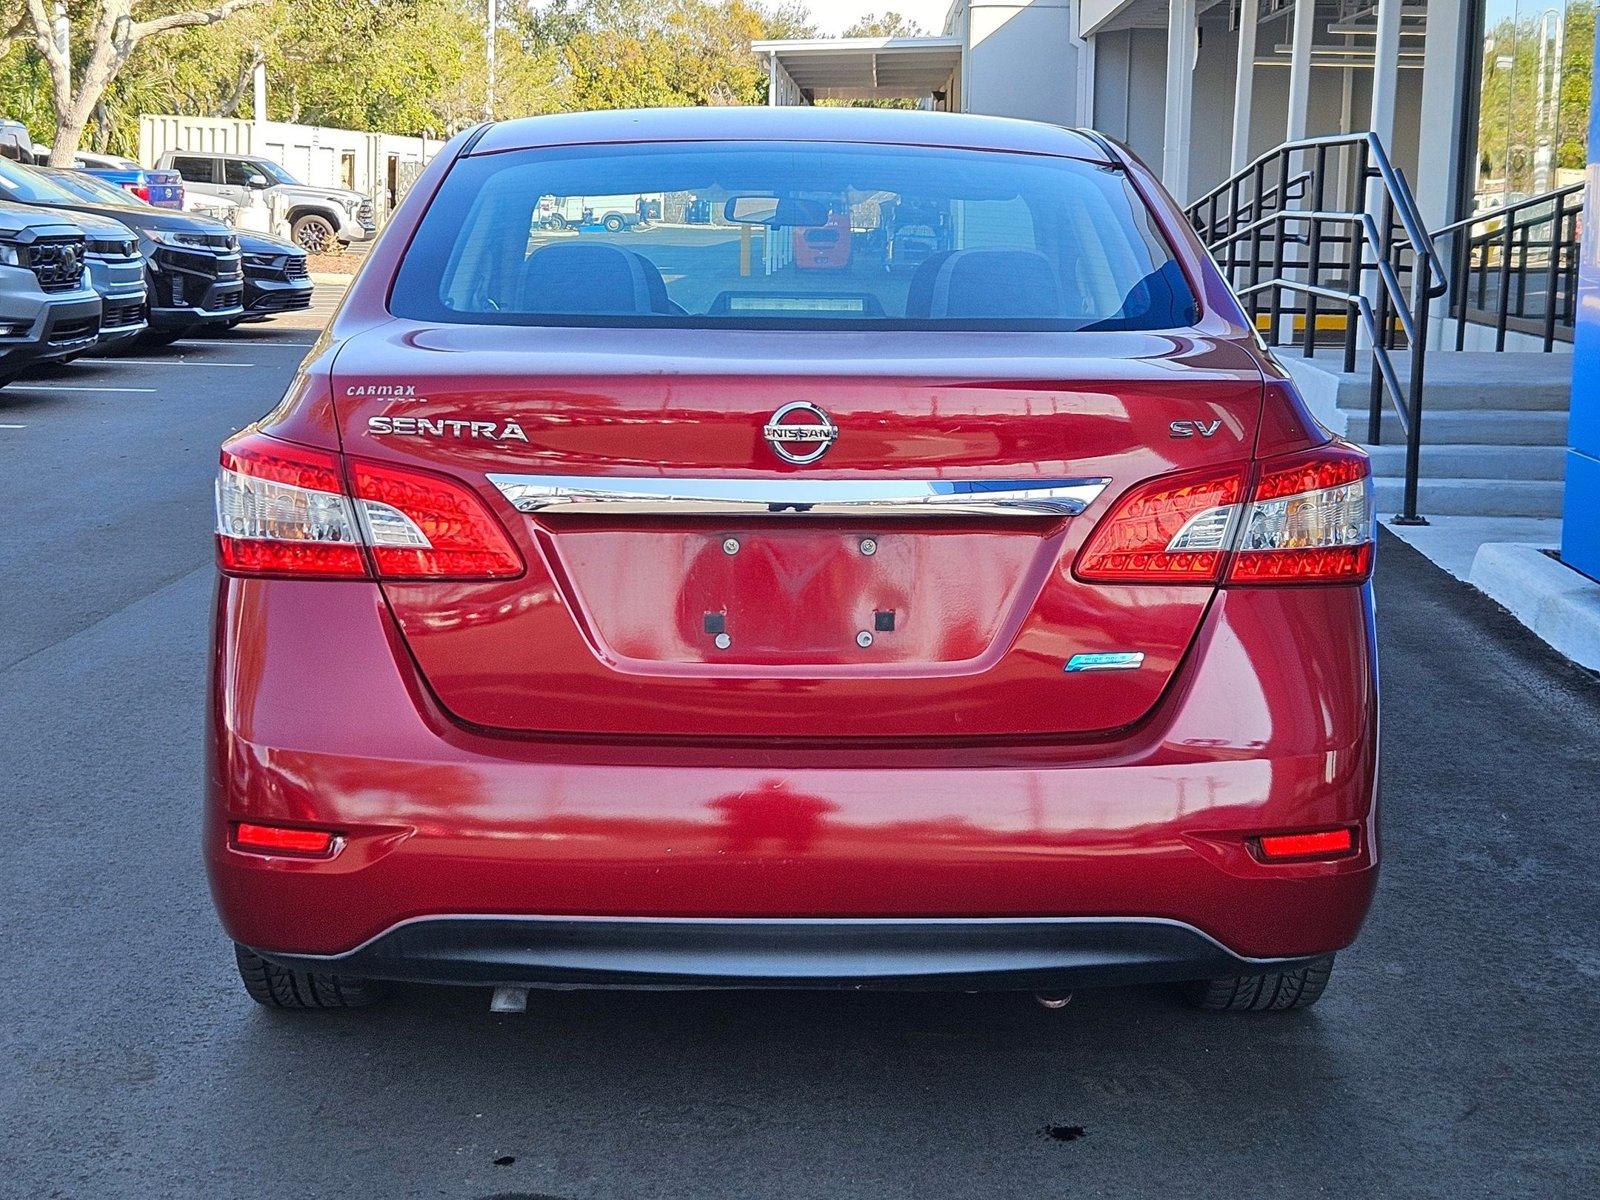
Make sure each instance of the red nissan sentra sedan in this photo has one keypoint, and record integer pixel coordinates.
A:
(640, 609)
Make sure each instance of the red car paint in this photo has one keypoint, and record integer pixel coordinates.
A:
(567, 742)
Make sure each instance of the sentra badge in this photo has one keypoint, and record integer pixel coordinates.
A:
(451, 427)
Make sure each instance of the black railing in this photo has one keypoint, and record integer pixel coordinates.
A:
(1516, 268)
(1351, 246)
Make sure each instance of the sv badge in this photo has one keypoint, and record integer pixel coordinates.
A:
(1187, 429)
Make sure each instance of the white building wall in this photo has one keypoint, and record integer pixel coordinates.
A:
(1020, 59)
(1129, 89)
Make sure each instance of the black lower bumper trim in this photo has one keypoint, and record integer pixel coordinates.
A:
(1040, 953)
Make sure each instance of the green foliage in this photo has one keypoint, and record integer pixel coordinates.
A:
(1533, 110)
(889, 24)
(665, 53)
(417, 66)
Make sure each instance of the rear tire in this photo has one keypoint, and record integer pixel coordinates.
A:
(1276, 991)
(273, 986)
(613, 223)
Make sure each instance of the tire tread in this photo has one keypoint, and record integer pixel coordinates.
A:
(284, 988)
(1274, 991)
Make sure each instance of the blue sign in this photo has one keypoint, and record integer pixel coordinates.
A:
(1580, 532)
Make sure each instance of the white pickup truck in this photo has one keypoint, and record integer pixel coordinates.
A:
(314, 218)
(611, 213)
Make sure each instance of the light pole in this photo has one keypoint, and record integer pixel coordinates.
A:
(488, 53)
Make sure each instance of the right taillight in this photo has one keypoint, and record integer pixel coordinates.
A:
(1306, 519)
(1171, 529)
(284, 510)
(1309, 520)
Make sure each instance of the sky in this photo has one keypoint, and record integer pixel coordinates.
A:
(835, 16)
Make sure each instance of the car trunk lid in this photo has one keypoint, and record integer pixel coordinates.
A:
(685, 578)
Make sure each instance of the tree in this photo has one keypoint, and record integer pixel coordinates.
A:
(113, 36)
(890, 24)
(660, 53)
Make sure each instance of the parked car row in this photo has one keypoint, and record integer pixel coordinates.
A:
(318, 219)
(87, 265)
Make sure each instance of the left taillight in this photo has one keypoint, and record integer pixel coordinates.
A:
(282, 510)
(285, 510)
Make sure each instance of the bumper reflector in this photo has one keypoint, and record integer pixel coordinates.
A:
(275, 839)
(1326, 843)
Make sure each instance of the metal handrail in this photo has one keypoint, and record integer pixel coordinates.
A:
(1381, 245)
(1571, 189)
(1514, 240)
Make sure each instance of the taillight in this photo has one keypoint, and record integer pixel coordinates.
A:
(1324, 843)
(422, 526)
(1173, 529)
(281, 839)
(1309, 520)
(283, 509)
(140, 190)
(1306, 519)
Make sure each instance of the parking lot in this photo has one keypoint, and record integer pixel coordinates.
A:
(1455, 1055)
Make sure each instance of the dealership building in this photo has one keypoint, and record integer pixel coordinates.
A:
(1409, 173)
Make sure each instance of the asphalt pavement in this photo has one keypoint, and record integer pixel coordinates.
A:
(1456, 1054)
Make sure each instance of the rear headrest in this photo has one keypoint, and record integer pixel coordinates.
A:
(591, 277)
(995, 283)
(919, 295)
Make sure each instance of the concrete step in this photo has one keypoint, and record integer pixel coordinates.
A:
(1473, 462)
(1456, 382)
(1473, 497)
(1441, 398)
(1487, 427)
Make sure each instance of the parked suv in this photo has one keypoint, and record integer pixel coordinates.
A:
(650, 612)
(16, 143)
(116, 272)
(193, 275)
(314, 218)
(276, 278)
(48, 308)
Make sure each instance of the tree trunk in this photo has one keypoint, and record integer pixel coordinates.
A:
(115, 35)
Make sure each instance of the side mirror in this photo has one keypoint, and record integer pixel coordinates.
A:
(775, 212)
(256, 180)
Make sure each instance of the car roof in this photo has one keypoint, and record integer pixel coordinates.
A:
(792, 123)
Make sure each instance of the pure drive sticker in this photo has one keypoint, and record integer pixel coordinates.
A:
(487, 431)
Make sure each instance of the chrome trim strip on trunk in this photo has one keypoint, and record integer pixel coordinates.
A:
(677, 496)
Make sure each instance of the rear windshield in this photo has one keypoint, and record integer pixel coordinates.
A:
(781, 235)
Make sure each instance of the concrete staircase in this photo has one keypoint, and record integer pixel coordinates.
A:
(1494, 429)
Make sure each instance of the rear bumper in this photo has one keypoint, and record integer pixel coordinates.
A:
(318, 718)
(993, 953)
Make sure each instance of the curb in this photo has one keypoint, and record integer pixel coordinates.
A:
(1559, 604)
